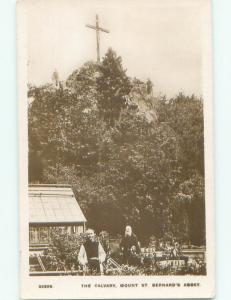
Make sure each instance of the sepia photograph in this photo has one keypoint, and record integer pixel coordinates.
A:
(116, 151)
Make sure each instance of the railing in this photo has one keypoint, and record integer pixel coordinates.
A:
(41, 263)
(113, 263)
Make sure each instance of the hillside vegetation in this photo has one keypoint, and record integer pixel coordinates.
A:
(130, 157)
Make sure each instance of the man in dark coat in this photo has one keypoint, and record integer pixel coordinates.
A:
(130, 247)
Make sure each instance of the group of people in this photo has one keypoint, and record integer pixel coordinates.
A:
(93, 253)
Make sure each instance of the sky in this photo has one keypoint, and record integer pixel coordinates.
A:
(160, 40)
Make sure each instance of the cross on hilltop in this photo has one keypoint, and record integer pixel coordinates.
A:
(97, 28)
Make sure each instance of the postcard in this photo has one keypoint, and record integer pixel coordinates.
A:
(116, 149)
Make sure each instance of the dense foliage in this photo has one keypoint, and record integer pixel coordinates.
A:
(62, 256)
(130, 157)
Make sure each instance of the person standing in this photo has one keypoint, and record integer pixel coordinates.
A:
(91, 254)
(129, 246)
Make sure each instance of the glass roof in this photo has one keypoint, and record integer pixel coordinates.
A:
(54, 205)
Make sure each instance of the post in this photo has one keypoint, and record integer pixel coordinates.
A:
(97, 38)
(97, 29)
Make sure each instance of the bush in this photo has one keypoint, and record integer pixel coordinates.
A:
(63, 250)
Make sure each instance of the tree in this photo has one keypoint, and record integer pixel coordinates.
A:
(184, 115)
(67, 129)
(112, 85)
(129, 161)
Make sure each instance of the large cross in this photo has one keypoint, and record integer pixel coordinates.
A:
(97, 29)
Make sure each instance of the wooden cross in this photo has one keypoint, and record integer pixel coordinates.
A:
(97, 29)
